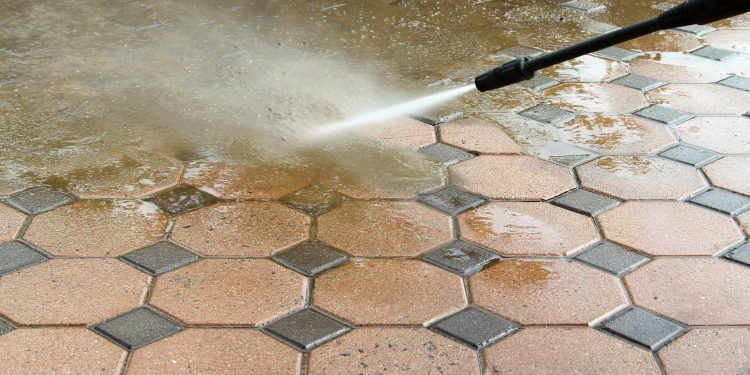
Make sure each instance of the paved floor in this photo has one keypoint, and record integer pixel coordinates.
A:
(629, 255)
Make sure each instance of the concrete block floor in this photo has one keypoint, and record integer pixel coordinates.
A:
(631, 260)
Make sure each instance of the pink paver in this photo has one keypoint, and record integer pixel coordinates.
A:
(731, 172)
(478, 136)
(604, 98)
(727, 135)
(11, 222)
(705, 99)
(709, 351)
(616, 134)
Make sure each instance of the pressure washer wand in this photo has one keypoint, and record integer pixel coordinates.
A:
(688, 13)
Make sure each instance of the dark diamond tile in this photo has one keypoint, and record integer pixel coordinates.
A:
(612, 258)
(740, 254)
(183, 198)
(306, 329)
(437, 116)
(5, 326)
(451, 200)
(643, 328)
(663, 6)
(160, 257)
(38, 199)
(617, 53)
(460, 257)
(137, 328)
(310, 258)
(641, 83)
(747, 114)
(585, 202)
(722, 200)
(519, 51)
(315, 200)
(539, 83)
(15, 255)
(697, 30)
(548, 114)
(444, 154)
(690, 155)
(665, 115)
(585, 6)
(737, 82)
(475, 327)
(571, 161)
(714, 53)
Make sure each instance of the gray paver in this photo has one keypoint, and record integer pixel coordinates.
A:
(160, 257)
(728, 202)
(38, 199)
(612, 258)
(690, 155)
(571, 161)
(5, 326)
(306, 329)
(461, 257)
(643, 328)
(697, 30)
(714, 53)
(736, 82)
(451, 200)
(740, 254)
(137, 328)
(644, 84)
(548, 114)
(444, 154)
(475, 327)
(539, 83)
(183, 198)
(437, 116)
(617, 53)
(15, 255)
(665, 115)
(585, 202)
(310, 258)
(585, 6)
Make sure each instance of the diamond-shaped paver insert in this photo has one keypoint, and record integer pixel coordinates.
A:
(16, 255)
(519, 51)
(617, 53)
(451, 200)
(160, 257)
(642, 327)
(737, 82)
(637, 82)
(548, 114)
(461, 257)
(585, 6)
(570, 161)
(38, 199)
(689, 155)
(585, 202)
(612, 258)
(697, 30)
(315, 200)
(437, 116)
(722, 200)
(137, 328)
(307, 329)
(444, 154)
(740, 254)
(665, 115)
(663, 6)
(182, 199)
(310, 258)
(539, 83)
(714, 53)
(475, 327)
(5, 326)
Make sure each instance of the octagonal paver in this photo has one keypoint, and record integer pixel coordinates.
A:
(59, 351)
(130, 174)
(703, 98)
(549, 350)
(664, 41)
(512, 177)
(635, 177)
(695, 291)
(245, 181)
(97, 228)
(527, 228)
(230, 292)
(709, 351)
(731, 173)
(72, 291)
(604, 98)
(404, 132)
(678, 67)
(673, 228)
(11, 222)
(541, 292)
(738, 40)
(380, 291)
(586, 68)
(478, 136)
(256, 229)
(375, 350)
(215, 351)
(727, 135)
(371, 229)
(615, 134)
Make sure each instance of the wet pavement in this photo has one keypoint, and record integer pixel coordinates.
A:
(161, 210)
